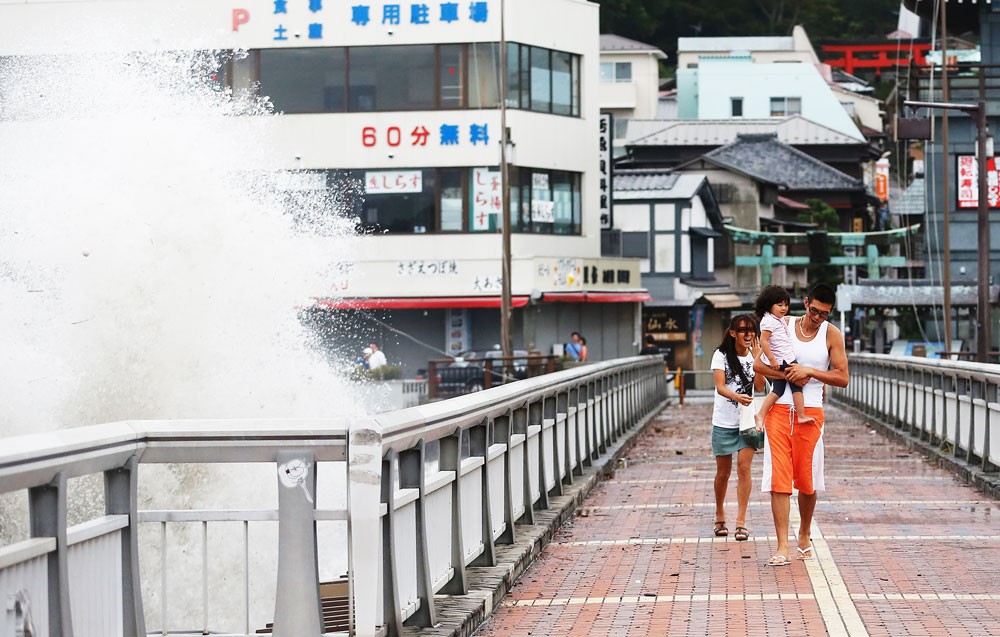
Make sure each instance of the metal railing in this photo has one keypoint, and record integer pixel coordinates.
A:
(430, 492)
(952, 405)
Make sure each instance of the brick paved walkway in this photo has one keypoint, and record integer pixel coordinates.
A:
(902, 549)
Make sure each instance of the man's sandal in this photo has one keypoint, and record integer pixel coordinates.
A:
(742, 534)
(720, 529)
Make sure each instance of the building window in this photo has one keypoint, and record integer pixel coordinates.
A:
(408, 77)
(782, 106)
(616, 71)
(433, 200)
(736, 106)
(302, 80)
(546, 201)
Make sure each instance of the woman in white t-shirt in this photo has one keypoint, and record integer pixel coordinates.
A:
(732, 368)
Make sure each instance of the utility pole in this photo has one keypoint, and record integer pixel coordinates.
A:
(978, 112)
(506, 309)
(946, 155)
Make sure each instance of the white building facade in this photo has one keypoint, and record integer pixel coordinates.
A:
(402, 100)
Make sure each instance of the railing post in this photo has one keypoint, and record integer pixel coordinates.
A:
(520, 426)
(412, 476)
(121, 498)
(501, 435)
(47, 508)
(297, 610)
(364, 484)
(479, 445)
(536, 416)
(390, 564)
(451, 460)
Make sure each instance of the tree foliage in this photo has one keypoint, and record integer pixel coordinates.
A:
(661, 22)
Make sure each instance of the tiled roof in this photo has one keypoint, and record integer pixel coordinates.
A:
(765, 158)
(911, 201)
(644, 179)
(708, 132)
(612, 42)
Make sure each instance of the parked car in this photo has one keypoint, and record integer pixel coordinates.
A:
(467, 372)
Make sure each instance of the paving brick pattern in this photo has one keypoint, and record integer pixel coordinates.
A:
(917, 552)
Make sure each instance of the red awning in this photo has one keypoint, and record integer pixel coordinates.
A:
(416, 303)
(596, 297)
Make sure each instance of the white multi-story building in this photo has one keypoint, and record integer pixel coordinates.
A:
(405, 98)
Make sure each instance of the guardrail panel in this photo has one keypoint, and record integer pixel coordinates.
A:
(31, 577)
(95, 580)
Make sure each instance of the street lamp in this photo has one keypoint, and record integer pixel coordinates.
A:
(978, 112)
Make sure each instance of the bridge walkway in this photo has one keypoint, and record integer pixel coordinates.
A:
(902, 548)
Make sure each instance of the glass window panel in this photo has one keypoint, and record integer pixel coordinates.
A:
(386, 78)
(623, 71)
(401, 212)
(451, 75)
(303, 80)
(484, 76)
(243, 76)
(577, 205)
(793, 106)
(607, 72)
(542, 208)
(541, 80)
(525, 76)
(451, 200)
(777, 106)
(513, 76)
(576, 85)
(562, 197)
(562, 83)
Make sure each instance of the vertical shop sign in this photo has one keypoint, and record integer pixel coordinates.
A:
(486, 198)
(604, 173)
(456, 335)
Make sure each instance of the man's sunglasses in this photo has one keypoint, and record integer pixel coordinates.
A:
(820, 313)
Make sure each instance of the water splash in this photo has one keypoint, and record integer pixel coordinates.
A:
(149, 268)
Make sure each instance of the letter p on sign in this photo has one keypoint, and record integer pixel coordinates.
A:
(240, 16)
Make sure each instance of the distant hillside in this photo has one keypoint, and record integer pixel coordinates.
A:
(661, 22)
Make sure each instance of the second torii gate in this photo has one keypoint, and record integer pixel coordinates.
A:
(869, 241)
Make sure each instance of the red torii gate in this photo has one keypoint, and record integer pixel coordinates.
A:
(876, 55)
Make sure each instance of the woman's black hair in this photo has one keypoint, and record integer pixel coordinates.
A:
(728, 344)
(771, 295)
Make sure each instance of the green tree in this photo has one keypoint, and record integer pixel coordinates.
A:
(661, 22)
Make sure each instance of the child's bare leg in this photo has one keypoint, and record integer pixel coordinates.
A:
(769, 401)
(800, 408)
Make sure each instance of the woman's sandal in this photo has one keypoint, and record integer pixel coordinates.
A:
(720, 529)
(778, 560)
(742, 534)
(804, 554)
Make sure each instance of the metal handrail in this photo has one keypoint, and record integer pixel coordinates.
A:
(950, 405)
(431, 491)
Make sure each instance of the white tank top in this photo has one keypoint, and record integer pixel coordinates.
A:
(812, 353)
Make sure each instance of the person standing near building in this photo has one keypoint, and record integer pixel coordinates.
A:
(732, 369)
(793, 456)
(574, 348)
(377, 358)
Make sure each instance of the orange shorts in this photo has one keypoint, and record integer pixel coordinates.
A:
(792, 449)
